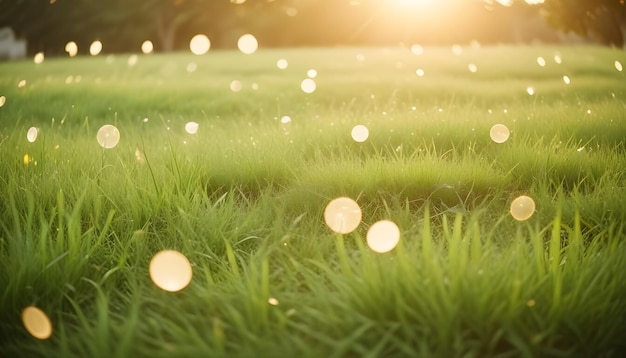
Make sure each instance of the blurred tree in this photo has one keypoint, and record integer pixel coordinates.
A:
(603, 20)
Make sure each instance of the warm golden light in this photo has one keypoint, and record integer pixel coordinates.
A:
(71, 48)
(147, 47)
(312, 73)
(27, 159)
(522, 208)
(37, 322)
(383, 236)
(247, 44)
(170, 270)
(236, 86)
(342, 215)
(472, 68)
(360, 133)
(108, 136)
(282, 64)
(618, 66)
(39, 56)
(199, 44)
(417, 50)
(95, 48)
(132, 60)
(21, 84)
(31, 135)
(566, 80)
(308, 85)
(419, 72)
(191, 127)
(541, 61)
(499, 133)
(530, 91)
(3, 100)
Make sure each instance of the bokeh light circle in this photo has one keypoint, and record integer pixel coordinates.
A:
(360, 133)
(36, 322)
(191, 127)
(199, 44)
(3, 100)
(247, 44)
(31, 135)
(308, 85)
(39, 57)
(147, 47)
(499, 133)
(236, 86)
(618, 66)
(108, 136)
(342, 215)
(282, 64)
(71, 48)
(522, 208)
(383, 236)
(170, 270)
(95, 48)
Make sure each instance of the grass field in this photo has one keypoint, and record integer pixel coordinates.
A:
(243, 199)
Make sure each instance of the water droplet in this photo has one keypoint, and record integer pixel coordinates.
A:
(557, 59)
(170, 270)
(272, 301)
(566, 80)
(108, 136)
(21, 84)
(3, 100)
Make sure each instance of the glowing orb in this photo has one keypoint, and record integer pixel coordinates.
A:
(312, 73)
(170, 270)
(472, 68)
(522, 208)
(530, 91)
(71, 48)
(38, 57)
(3, 100)
(247, 44)
(27, 159)
(191, 127)
(95, 48)
(285, 120)
(417, 49)
(499, 133)
(273, 301)
(566, 80)
(21, 84)
(541, 61)
(457, 50)
(557, 59)
(342, 215)
(360, 133)
(147, 47)
(199, 44)
(192, 67)
(383, 236)
(419, 72)
(618, 66)
(132, 60)
(31, 135)
(282, 64)
(235, 86)
(108, 136)
(308, 85)
(36, 322)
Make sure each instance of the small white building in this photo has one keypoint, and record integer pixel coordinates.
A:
(10, 47)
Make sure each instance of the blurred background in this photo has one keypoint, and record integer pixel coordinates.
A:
(123, 25)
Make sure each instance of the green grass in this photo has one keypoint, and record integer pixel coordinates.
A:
(243, 200)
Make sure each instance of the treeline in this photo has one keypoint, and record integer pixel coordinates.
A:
(122, 25)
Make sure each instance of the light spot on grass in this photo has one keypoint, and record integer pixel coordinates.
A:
(273, 301)
(191, 127)
(27, 159)
(360, 133)
(71, 48)
(37, 322)
(132, 60)
(383, 236)
(254, 86)
(282, 64)
(31, 135)
(3, 100)
(618, 66)
(139, 156)
(39, 57)
(235, 86)
(522, 208)
(417, 49)
(147, 47)
(457, 50)
(531, 303)
(419, 72)
(21, 84)
(95, 48)
(192, 67)
(342, 215)
(308, 85)
(499, 133)
(566, 80)
(472, 68)
(108, 136)
(170, 270)
(541, 61)
(247, 44)
(557, 59)
(199, 44)
(312, 73)
(530, 90)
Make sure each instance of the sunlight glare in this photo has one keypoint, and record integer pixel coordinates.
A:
(191, 127)
(499, 133)
(170, 270)
(37, 322)
(530, 91)
(247, 44)
(71, 48)
(383, 236)
(360, 133)
(199, 44)
(342, 215)
(95, 48)
(312, 73)
(618, 66)
(308, 85)
(3, 100)
(31, 135)
(522, 208)
(417, 50)
(472, 68)
(39, 56)
(566, 80)
(420, 72)
(236, 86)
(108, 136)
(282, 64)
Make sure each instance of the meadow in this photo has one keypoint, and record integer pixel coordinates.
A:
(243, 199)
